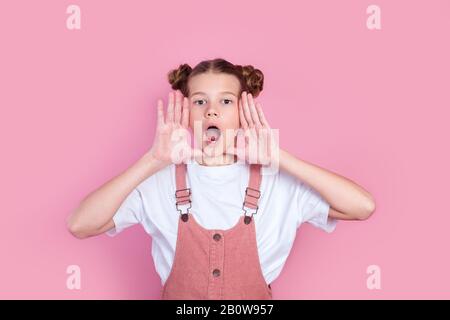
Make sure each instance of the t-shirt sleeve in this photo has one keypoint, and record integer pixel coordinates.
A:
(313, 208)
(129, 213)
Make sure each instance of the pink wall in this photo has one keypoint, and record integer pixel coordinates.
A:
(78, 107)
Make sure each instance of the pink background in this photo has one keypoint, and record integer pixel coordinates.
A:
(78, 107)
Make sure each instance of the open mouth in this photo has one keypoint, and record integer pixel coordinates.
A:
(212, 134)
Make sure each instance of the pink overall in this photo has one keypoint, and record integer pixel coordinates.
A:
(216, 264)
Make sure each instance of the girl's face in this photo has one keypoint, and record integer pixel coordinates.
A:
(214, 115)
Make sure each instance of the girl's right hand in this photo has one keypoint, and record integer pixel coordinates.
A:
(172, 138)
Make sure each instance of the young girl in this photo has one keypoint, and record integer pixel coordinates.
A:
(222, 221)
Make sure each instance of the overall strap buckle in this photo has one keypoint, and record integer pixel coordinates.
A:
(250, 193)
(183, 197)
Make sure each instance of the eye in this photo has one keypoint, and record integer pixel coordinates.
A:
(195, 101)
(230, 101)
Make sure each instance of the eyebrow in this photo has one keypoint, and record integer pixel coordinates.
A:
(201, 92)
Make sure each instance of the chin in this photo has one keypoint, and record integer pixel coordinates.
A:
(215, 148)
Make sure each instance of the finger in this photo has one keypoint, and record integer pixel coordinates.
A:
(185, 113)
(160, 113)
(253, 113)
(247, 115)
(170, 108)
(261, 115)
(244, 123)
(178, 99)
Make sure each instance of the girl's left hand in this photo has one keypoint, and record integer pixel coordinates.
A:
(257, 143)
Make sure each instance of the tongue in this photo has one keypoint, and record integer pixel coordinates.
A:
(213, 134)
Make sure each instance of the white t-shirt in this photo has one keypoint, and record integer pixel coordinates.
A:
(217, 196)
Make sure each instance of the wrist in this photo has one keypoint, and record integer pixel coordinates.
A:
(152, 163)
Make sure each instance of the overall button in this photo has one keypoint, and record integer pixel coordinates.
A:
(217, 237)
(216, 273)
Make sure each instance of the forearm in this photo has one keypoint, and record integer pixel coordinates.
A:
(98, 208)
(341, 193)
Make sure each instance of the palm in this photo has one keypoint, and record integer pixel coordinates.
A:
(257, 142)
(256, 146)
(171, 142)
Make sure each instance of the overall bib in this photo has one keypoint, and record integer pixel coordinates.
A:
(216, 264)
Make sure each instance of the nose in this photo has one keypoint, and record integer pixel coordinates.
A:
(211, 113)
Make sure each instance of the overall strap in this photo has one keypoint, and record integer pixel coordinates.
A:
(182, 194)
(252, 192)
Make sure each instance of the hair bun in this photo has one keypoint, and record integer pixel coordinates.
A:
(254, 79)
(178, 77)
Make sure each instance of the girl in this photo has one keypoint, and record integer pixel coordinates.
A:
(222, 220)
